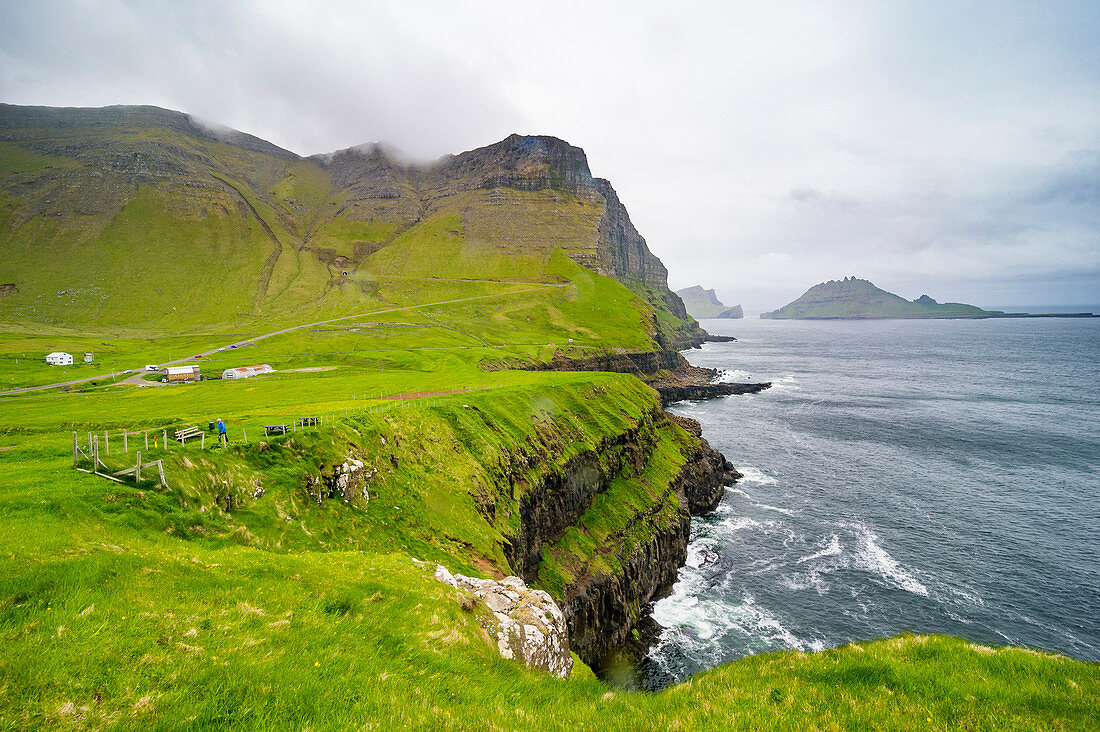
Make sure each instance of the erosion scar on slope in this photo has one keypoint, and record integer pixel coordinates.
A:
(269, 263)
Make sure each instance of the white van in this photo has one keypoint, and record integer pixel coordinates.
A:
(151, 367)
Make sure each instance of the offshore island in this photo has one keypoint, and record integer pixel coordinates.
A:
(854, 299)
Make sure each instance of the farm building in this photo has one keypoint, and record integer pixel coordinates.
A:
(88, 358)
(243, 372)
(60, 358)
(184, 373)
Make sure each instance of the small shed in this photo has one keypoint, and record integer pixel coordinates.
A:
(59, 358)
(243, 372)
(88, 358)
(189, 372)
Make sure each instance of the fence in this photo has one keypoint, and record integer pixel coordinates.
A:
(91, 452)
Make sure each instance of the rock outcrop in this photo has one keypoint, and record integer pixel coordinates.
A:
(548, 509)
(524, 624)
(704, 478)
(348, 481)
(695, 392)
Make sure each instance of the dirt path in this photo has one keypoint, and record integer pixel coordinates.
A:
(281, 332)
(426, 394)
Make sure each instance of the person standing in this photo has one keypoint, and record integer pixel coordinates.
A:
(221, 431)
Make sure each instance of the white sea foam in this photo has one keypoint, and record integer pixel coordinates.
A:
(876, 559)
(832, 550)
(732, 376)
(737, 523)
(785, 383)
(784, 511)
(755, 476)
(701, 624)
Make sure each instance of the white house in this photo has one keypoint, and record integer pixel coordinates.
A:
(243, 372)
(60, 358)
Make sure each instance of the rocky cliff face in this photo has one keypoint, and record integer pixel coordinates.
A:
(479, 183)
(602, 606)
(548, 509)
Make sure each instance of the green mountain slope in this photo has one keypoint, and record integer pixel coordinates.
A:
(859, 299)
(142, 218)
(701, 303)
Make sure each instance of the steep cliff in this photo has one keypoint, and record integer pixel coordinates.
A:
(702, 303)
(609, 530)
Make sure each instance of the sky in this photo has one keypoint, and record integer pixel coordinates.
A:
(941, 148)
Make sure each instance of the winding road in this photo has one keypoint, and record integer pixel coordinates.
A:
(100, 377)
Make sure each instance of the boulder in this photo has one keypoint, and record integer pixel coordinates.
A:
(525, 624)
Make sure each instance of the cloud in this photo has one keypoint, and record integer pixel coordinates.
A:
(936, 145)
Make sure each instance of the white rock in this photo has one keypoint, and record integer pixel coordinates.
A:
(526, 625)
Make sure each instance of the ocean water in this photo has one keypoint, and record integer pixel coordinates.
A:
(925, 476)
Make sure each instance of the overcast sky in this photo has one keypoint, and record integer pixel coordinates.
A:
(948, 148)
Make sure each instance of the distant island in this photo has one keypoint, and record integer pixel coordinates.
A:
(855, 298)
(702, 303)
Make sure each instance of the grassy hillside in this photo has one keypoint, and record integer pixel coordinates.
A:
(138, 218)
(129, 606)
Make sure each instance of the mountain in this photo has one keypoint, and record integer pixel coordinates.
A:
(702, 303)
(141, 217)
(859, 299)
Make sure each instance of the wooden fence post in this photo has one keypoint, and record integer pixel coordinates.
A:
(74, 449)
(244, 434)
(89, 443)
(202, 443)
(160, 467)
(95, 455)
(125, 443)
(164, 436)
(106, 443)
(137, 468)
(146, 440)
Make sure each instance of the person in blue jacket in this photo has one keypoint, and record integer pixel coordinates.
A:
(221, 430)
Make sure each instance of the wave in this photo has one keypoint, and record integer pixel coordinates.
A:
(832, 550)
(751, 475)
(784, 511)
(874, 558)
(732, 376)
(697, 627)
(731, 525)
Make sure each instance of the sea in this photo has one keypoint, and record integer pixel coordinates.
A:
(932, 476)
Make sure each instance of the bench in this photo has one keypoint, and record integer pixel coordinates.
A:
(187, 432)
(274, 429)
